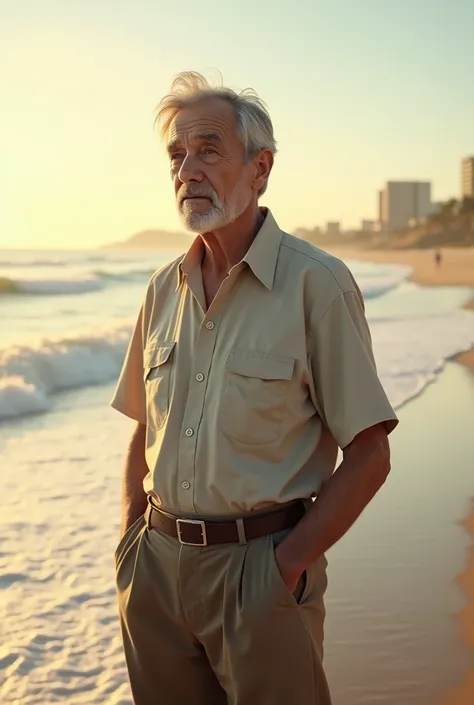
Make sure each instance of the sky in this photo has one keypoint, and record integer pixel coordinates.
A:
(360, 92)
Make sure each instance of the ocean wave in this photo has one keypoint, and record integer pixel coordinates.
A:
(43, 287)
(30, 375)
(381, 282)
(127, 275)
(75, 284)
(18, 263)
(41, 262)
(409, 354)
(372, 286)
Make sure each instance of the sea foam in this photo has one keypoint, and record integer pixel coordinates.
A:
(30, 375)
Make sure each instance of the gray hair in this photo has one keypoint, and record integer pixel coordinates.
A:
(253, 120)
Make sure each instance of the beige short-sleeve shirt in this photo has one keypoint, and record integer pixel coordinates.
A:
(247, 402)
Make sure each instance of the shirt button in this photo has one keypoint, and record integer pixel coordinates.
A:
(189, 432)
(209, 325)
(185, 485)
(199, 377)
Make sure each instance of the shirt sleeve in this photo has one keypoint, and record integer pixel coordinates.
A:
(347, 392)
(129, 397)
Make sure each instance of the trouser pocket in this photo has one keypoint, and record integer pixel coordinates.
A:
(301, 591)
(128, 538)
(300, 587)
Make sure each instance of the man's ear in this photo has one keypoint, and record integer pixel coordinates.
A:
(263, 166)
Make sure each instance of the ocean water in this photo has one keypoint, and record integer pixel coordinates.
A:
(65, 321)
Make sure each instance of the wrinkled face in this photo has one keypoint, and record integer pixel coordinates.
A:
(213, 181)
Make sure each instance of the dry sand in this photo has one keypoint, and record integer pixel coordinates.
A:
(456, 269)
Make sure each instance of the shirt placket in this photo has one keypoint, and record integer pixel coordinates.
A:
(202, 360)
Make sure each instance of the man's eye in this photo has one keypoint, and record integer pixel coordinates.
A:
(175, 156)
(209, 150)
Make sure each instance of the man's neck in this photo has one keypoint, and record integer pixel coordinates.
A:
(226, 247)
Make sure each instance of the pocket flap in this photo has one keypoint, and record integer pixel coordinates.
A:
(252, 363)
(158, 354)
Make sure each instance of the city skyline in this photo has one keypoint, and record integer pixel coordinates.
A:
(400, 202)
(358, 95)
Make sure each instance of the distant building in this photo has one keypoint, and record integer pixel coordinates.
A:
(303, 233)
(311, 235)
(404, 201)
(368, 226)
(379, 206)
(333, 228)
(467, 177)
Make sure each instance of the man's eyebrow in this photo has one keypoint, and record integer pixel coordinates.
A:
(201, 137)
(209, 137)
(171, 146)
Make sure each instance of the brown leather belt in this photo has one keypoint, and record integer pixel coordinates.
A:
(197, 532)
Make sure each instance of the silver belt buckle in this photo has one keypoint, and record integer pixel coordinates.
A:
(202, 524)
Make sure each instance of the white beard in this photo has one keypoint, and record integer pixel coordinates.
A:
(218, 214)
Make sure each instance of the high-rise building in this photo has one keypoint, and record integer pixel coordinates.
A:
(467, 177)
(402, 202)
(333, 228)
(379, 205)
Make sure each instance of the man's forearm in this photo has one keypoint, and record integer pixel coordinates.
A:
(134, 500)
(340, 503)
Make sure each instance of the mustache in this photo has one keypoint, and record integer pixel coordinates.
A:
(196, 191)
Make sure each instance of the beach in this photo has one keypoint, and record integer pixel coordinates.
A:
(455, 269)
(390, 638)
(464, 693)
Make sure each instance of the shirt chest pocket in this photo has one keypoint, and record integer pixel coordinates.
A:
(158, 360)
(253, 398)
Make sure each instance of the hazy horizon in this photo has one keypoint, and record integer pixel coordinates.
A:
(106, 245)
(358, 95)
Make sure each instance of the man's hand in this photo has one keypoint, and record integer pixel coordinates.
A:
(288, 571)
(362, 472)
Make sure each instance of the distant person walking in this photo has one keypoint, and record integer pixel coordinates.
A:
(249, 366)
(438, 258)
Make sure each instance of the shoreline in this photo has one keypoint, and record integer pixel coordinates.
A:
(456, 269)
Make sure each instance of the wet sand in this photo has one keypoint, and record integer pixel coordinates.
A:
(464, 693)
(456, 269)
(394, 604)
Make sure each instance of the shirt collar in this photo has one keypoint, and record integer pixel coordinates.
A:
(190, 260)
(261, 257)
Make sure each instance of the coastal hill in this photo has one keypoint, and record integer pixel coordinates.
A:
(153, 239)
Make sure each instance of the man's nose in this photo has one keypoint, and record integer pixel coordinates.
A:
(190, 170)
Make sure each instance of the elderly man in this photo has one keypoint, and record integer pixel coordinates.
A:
(249, 366)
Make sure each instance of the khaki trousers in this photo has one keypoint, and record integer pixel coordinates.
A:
(217, 625)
